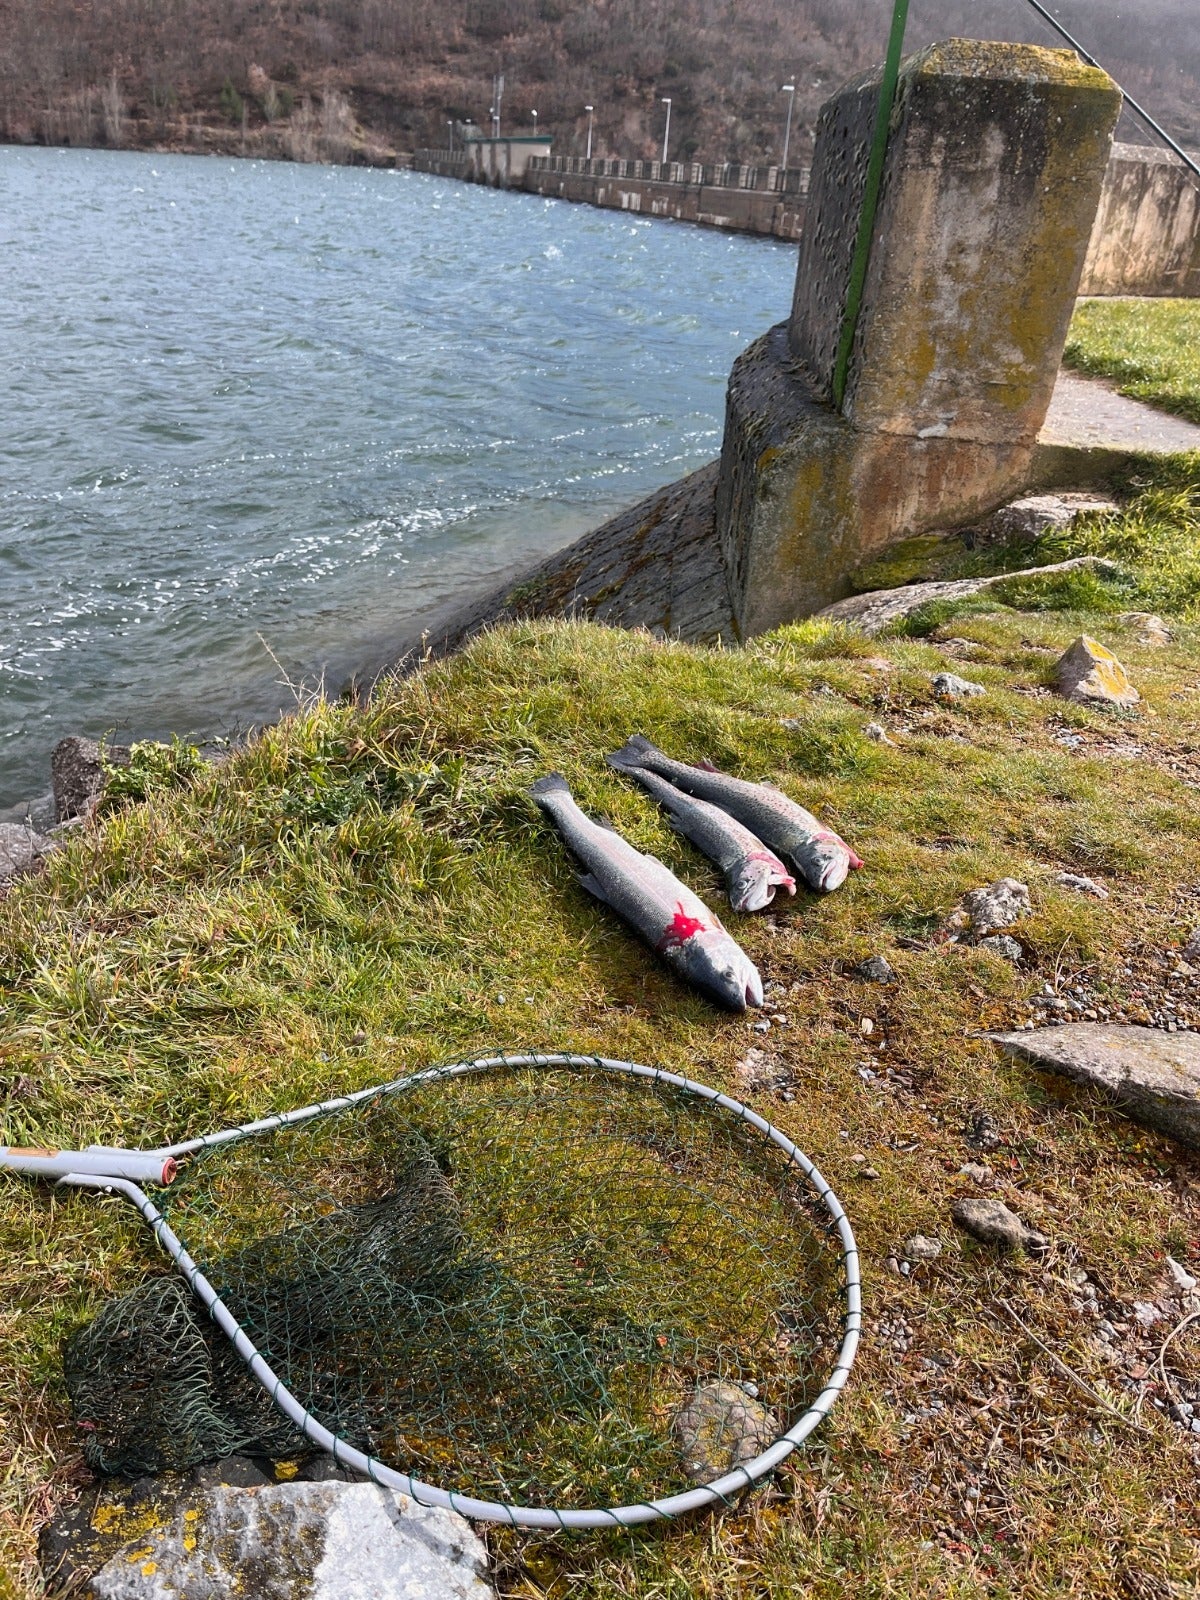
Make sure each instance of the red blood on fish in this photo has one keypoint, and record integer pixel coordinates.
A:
(682, 929)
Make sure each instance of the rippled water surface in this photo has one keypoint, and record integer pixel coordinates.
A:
(254, 406)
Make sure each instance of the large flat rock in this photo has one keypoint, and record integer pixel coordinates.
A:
(1152, 1075)
(880, 608)
(299, 1541)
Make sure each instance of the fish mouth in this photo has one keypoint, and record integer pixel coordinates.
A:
(834, 875)
(754, 990)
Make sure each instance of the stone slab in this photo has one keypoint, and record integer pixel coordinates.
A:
(1152, 1075)
(878, 609)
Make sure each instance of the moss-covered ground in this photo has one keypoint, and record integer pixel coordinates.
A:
(366, 890)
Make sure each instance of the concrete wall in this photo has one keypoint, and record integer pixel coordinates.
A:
(1145, 241)
(1147, 234)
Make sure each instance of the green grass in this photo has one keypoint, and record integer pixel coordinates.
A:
(1149, 348)
(351, 896)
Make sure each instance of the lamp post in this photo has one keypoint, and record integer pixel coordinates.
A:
(450, 125)
(533, 114)
(589, 109)
(666, 100)
(788, 89)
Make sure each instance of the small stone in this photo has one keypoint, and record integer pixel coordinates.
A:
(976, 1172)
(949, 686)
(866, 1027)
(1183, 1278)
(1082, 885)
(876, 969)
(867, 1172)
(997, 906)
(1091, 675)
(1001, 944)
(1152, 630)
(991, 1222)
(877, 733)
(920, 1248)
(1191, 949)
(721, 1427)
(358, 1038)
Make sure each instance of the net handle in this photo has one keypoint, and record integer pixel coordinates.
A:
(722, 1490)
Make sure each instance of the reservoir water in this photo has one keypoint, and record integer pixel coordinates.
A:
(260, 419)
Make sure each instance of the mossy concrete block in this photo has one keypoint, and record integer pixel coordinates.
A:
(804, 497)
(996, 156)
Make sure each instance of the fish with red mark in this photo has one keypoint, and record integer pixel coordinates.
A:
(752, 872)
(818, 855)
(651, 899)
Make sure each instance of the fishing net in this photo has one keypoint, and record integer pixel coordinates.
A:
(512, 1284)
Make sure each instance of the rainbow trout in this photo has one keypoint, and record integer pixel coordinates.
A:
(651, 899)
(816, 852)
(752, 872)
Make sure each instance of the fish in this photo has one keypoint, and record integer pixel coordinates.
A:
(651, 899)
(752, 872)
(816, 853)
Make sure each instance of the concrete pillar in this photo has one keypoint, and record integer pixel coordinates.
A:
(996, 153)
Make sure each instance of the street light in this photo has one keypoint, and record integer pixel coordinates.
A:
(666, 100)
(450, 125)
(588, 109)
(533, 114)
(788, 89)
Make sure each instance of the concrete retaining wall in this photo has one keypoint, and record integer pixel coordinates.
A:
(1147, 234)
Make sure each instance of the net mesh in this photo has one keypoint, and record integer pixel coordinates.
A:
(510, 1285)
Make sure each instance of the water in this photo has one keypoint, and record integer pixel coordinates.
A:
(254, 410)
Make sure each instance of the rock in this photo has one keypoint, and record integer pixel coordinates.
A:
(1152, 630)
(1191, 950)
(981, 1132)
(1032, 515)
(235, 1472)
(880, 608)
(1004, 945)
(1091, 675)
(722, 1427)
(988, 910)
(977, 1172)
(919, 1248)
(991, 1222)
(77, 773)
(876, 969)
(21, 850)
(1152, 1075)
(877, 733)
(951, 687)
(1082, 885)
(39, 814)
(325, 1541)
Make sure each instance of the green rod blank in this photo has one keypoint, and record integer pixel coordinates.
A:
(866, 220)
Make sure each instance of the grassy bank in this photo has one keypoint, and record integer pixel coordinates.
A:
(350, 897)
(364, 891)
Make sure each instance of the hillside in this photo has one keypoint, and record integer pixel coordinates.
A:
(335, 79)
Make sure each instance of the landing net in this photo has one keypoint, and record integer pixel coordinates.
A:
(545, 1287)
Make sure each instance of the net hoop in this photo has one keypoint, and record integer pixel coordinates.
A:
(721, 1491)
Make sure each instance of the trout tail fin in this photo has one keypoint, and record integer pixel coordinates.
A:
(632, 753)
(552, 786)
